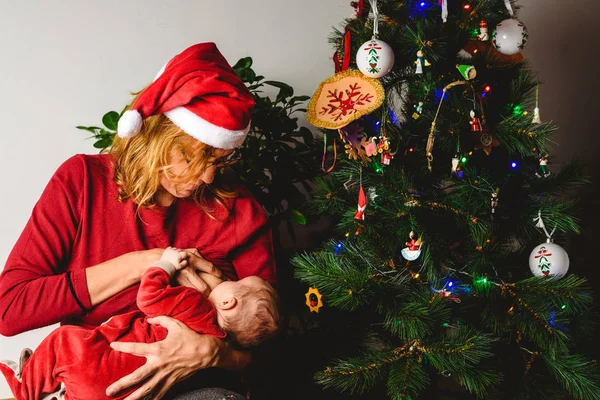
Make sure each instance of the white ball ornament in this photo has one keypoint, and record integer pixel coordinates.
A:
(549, 259)
(375, 58)
(510, 36)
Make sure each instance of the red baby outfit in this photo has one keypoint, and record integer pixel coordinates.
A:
(82, 358)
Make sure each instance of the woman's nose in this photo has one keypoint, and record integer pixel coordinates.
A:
(209, 175)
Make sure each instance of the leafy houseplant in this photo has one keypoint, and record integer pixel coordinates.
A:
(278, 156)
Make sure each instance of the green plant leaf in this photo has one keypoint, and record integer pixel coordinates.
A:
(110, 120)
(243, 63)
(297, 217)
(92, 129)
(285, 90)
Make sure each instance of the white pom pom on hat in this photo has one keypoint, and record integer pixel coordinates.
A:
(130, 124)
(201, 94)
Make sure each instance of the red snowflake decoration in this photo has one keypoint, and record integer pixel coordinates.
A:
(341, 106)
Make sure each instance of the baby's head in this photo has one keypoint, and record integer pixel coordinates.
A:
(246, 310)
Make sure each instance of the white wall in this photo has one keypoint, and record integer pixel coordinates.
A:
(65, 63)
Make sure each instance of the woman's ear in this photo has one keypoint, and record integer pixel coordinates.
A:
(227, 304)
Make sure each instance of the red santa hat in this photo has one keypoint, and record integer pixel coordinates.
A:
(200, 93)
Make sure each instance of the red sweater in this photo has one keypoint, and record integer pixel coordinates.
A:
(78, 222)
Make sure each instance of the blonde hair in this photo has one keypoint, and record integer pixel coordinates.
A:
(259, 322)
(140, 161)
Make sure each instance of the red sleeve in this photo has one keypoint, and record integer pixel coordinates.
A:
(253, 253)
(35, 290)
(156, 297)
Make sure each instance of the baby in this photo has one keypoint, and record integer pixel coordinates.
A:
(78, 363)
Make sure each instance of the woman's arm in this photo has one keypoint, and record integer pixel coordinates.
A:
(35, 290)
(177, 357)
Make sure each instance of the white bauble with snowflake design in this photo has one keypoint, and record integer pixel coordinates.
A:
(549, 259)
(375, 58)
(510, 36)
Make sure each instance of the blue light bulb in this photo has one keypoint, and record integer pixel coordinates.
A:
(422, 4)
(450, 283)
(513, 164)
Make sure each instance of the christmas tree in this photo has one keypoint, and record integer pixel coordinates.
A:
(444, 212)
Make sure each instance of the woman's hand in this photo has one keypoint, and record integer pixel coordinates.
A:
(169, 361)
(196, 261)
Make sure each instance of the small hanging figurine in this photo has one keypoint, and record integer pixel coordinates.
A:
(314, 299)
(455, 161)
(536, 111)
(483, 32)
(494, 200)
(386, 158)
(475, 124)
(421, 62)
(543, 172)
(412, 251)
(371, 147)
(362, 205)
(418, 110)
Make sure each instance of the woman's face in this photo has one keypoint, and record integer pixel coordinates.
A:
(176, 189)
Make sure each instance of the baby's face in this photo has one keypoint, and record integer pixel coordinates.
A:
(226, 290)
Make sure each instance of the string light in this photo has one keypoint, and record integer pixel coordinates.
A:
(411, 149)
(450, 283)
(487, 88)
(467, 7)
(464, 159)
(514, 165)
(518, 110)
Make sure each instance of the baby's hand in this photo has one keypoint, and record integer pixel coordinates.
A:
(177, 257)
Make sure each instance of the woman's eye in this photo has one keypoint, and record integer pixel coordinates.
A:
(185, 157)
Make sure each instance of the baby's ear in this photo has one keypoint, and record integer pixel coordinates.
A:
(227, 304)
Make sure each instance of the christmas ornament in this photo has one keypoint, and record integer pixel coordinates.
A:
(474, 122)
(483, 32)
(443, 293)
(412, 251)
(467, 71)
(418, 110)
(486, 141)
(372, 193)
(375, 58)
(383, 144)
(343, 98)
(314, 299)
(421, 62)
(543, 172)
(371, 147)
(548, 259)
(536, 111)
(494, 200)
(455, 161)
(386, 158)
(431, 137)
(362, 205)
(355, 143)
(510, 36)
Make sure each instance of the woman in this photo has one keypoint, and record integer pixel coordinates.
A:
(103, 219)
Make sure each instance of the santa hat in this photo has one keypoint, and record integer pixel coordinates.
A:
(201, 94)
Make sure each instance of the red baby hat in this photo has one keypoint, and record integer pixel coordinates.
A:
(200, 93)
